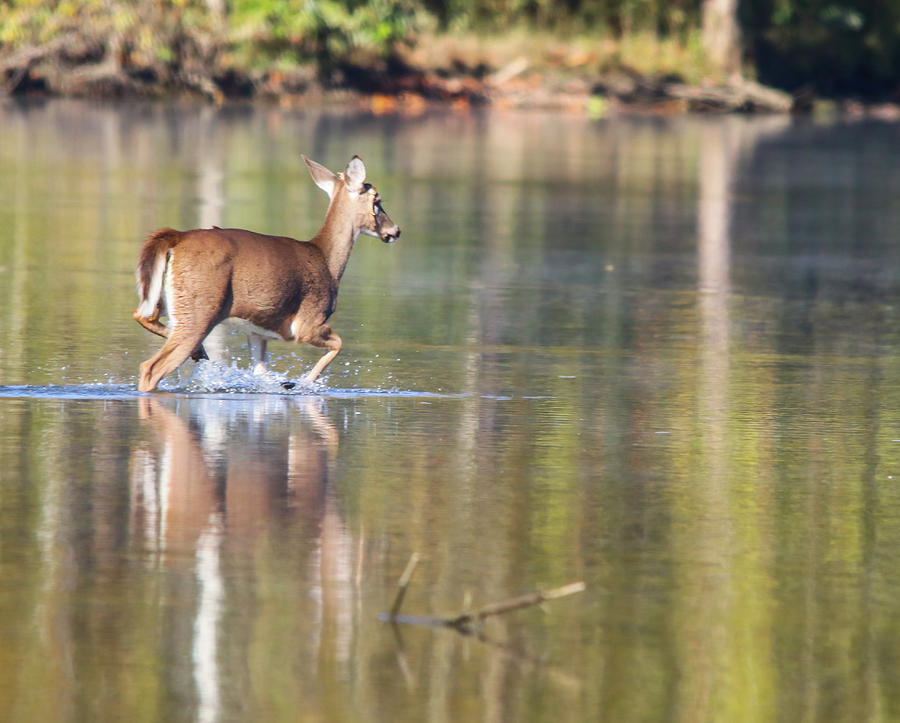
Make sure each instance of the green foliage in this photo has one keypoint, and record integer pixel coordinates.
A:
(327, 30)
(145, 31)
(312, 29)
(338, 28)
(834, 47)
(602, 17)
(25, 22)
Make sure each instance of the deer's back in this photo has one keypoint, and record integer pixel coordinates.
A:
(266, 277)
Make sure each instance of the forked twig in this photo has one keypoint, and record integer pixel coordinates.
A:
(466, 622)
(470, 622)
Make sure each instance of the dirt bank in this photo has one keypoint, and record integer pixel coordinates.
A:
(79, 65)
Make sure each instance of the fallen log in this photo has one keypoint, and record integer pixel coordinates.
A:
(743, 96)
(634, 89)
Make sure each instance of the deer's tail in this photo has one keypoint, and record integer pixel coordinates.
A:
(152, 268)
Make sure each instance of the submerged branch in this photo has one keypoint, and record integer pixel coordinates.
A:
(470, 622)
(466, 621)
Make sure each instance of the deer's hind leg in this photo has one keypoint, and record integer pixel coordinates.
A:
(198, 316)
(173, 354)
(157, 327)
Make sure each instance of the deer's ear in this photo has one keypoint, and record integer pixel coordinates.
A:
(325, 179)
(355, 174)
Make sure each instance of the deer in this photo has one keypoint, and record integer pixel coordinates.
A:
(270, 287)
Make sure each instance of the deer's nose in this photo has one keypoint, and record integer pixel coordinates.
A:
(389, 235)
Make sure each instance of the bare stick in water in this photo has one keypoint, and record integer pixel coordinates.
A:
(466, 621)
(469, 622)
(403, 583)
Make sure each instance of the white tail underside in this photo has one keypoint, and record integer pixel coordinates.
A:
(150, 297)
(168, 301)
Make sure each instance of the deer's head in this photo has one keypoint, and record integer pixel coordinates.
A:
(358, 199)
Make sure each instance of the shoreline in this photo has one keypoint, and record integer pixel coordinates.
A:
(408, 89)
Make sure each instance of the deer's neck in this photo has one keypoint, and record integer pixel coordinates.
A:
(335, 239)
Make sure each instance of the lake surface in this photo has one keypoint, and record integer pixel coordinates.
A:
(658, 356)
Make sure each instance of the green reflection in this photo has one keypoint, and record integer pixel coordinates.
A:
(674, 353)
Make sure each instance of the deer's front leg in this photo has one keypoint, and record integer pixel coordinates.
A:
(326, 338)
(257, 346)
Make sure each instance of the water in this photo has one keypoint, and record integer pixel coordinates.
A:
(659, 356)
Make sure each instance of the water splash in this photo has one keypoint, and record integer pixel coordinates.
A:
(215, 377)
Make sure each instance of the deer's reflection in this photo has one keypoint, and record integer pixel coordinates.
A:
(229, 491)
(238, 464)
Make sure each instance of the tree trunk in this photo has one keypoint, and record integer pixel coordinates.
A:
(722, 36)
(218, 9)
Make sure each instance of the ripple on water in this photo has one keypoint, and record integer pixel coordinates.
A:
(208, 377)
